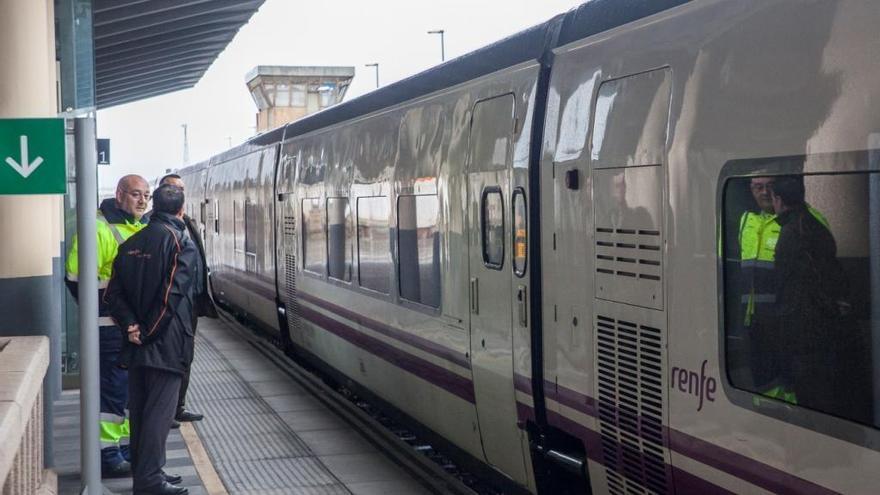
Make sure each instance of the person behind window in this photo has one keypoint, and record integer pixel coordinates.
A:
(810, 294)
(758, 237)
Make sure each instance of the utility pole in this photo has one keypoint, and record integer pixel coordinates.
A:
(442, 43)
(376, 66)
(185, 145)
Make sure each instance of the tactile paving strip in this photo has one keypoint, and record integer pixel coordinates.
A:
(253, 450)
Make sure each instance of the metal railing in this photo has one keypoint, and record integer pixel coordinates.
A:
(23, 365)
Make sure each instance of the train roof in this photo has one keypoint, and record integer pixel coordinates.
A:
(534, 43)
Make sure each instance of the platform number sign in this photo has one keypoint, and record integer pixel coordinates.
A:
(32, 157)
(103, 152)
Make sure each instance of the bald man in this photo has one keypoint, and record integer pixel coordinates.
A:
(118, 219)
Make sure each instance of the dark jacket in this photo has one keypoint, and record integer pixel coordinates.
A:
(810, 283)
(204, 304)
(152, 286)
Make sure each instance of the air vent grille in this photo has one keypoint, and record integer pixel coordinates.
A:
(630, 384)
(629, 253)
(291, 301)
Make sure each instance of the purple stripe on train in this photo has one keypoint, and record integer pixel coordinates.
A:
(738, 465)
(455, 384)
(389, 331)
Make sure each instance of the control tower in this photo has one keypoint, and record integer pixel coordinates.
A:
(284, 93)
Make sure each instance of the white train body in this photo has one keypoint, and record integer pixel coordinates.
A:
(530, 262)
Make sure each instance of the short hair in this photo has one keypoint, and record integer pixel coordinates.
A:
(168, 199)
(169, 176)
(790, 189)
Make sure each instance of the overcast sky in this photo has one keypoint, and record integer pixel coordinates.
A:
(147, 137)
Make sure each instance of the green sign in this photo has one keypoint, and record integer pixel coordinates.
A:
(32, 157)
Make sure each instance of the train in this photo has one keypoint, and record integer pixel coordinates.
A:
(532, 251)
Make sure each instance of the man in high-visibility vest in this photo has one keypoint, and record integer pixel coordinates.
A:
(118, 219)
(758, 235)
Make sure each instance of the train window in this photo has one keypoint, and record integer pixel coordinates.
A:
(340, 239)
(802, 283)
(250, 227)
(314, 239)
(418, 242)
(238, 225)
(492, 221)
(374, 243)
(520, 232)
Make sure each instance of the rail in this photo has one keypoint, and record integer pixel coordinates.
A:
(23, 365)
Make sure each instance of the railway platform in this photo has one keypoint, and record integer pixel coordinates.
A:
(266, 430)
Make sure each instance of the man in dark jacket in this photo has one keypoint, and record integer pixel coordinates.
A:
(810, 298)
(204, 306)
(151, 298)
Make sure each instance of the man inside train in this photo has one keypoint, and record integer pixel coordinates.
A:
(757, 238)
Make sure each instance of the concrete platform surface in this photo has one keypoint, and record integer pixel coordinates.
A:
(262, 433)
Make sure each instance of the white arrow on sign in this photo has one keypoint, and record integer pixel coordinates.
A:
(26, 167)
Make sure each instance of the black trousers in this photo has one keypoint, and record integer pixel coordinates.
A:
(184, 385)
(152, 398)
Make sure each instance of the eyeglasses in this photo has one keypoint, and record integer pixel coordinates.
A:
(761, 187)
(138, 195)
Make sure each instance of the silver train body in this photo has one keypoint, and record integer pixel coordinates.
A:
(524, 249)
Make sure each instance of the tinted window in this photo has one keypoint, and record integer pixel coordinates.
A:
(419, 249)
(801, 280)
(520, 232)
(374, 243)
(314, 240)
(238, 225)
(492, 212)
(250, 227)
(340, 239)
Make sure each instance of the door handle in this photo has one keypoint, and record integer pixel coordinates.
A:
(475, 297)
(522, 303)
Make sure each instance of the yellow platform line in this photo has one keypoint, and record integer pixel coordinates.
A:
(202, 462)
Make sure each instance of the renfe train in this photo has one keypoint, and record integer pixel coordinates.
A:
(534, 251)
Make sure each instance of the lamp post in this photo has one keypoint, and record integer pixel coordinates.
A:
(442, 43)
(376, 65)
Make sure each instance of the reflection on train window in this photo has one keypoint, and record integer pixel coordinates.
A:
(520, 232)
(314, 240)
(237, 226)
(492, 221)
(340, 239)
(250, 226)
(374, 243)
(418, 241)
(802, 280)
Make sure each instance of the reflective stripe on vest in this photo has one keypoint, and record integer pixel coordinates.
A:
(113, 229)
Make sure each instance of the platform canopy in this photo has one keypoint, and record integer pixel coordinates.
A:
(146, 48)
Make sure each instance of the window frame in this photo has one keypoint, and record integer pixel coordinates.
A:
(487, 190)
(519, 191)
(352, 218)
(403, 301)
(304, 237)
(392, 283)
(822, 164)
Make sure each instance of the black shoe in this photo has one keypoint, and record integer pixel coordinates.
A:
(164, 489)
(174, 425)
(187, 416)
(174, 479)
(119, 470)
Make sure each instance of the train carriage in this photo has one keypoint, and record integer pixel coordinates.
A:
(535, 251)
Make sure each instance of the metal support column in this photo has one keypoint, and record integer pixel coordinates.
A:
(86, 212)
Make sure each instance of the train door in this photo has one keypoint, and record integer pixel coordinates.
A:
(491, 283)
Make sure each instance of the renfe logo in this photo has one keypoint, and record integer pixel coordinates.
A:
(698, 385)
